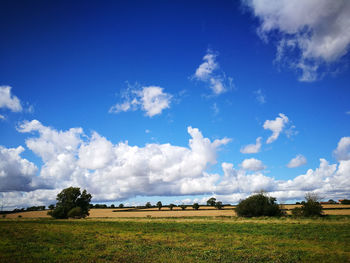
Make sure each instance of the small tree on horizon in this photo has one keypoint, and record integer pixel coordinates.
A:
(71, 199)
(195, 206)
(171, 206)
(148, 205)
(311, 207)
(211, 201)
(121, 205)
(218, 205)
(183, 206)
(159, 205)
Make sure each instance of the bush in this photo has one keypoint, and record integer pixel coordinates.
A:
(70, 198)
(258, 205)
(309, 208)
(218, 205)
(195, 206)
(75, 212)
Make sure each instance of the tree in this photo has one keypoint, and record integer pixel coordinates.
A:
(148, 205)
(183, 207)
(331, 201)
(311, 207)
(51, 207)
(258, 205)
(211, 201)
(345, 202)
(159, 205)
(171, 206)
(121, 205)
(112, 206)
(195, 206)
(218, 205)
(69, 199)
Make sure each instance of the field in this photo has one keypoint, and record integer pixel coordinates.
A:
(177, 212)
(207, 239)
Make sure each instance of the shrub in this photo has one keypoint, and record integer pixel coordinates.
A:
(69, 199)
(218, 205)
(309, 208)
(74, 212)
(195, 206)
(258, 205)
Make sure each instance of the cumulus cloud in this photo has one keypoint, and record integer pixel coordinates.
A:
(298, 161)
(120, 171)
(342, 152)
(276, 126)
(208, 72)
(2, 117)
(16, 173)
(8, 100)
(252, 148)
(252, 164)
(310, 33)
(152, 100)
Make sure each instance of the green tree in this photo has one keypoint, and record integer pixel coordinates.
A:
(311, 207)
(195, 206)
(171, 206)
(51, 207)
(218, 205)
(258, 205)
(71, 198)
(211, 201)
(183, 207)
(121, 205)
(159, 205)
(112, 206)
(345, 202)
(148, 205)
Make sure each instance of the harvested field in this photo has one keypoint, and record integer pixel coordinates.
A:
(177, 212)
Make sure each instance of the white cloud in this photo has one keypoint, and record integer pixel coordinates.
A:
(252, 148)
(276, 126)
(208, 72)
(152, 100)
(343, 149)
(8, 100)
(205, 70)
(260, 97)
(2, 117)
(120, 171)
(16, 173)
(298, 161)
(252, 164)
(316, 30)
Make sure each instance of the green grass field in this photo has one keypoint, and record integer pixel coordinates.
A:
(176, 240)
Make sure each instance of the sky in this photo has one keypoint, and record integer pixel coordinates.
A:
(174, 101)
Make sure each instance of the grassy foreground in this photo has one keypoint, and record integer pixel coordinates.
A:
(176, 240)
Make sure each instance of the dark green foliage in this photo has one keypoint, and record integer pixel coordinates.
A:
(309, 208)
(74, 212)
(159, 205)
(331, 201)
(148, 205)
(121, 205)
(258, 205)
(36, 208)
(70, 198)
(183, 207)
(211, 201)
(51, 207)
(171, 206)
(218, 205)
(112, 206)
(195, 206)
(345, 202)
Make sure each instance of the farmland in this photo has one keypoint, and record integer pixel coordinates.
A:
(336, 209)
(205, 239)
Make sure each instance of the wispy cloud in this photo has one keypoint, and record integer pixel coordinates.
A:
(152, 100)
(209, 73)
(260, 96)
(276, 126)
(317, 31)
(8, 100)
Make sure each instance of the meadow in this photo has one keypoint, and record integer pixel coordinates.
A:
(186, 239)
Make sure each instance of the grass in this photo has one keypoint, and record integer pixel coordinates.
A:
(206, 239)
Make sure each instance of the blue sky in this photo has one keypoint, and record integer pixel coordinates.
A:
(107, 95)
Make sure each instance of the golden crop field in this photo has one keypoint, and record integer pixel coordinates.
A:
(176, 212)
